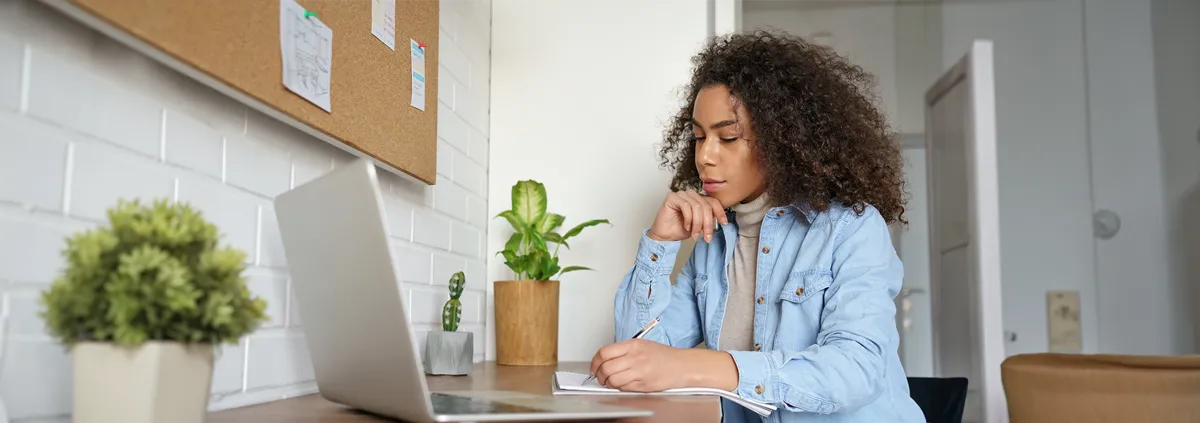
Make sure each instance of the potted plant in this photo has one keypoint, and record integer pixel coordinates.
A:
(527, 306)
(141, 305)
(448, 351)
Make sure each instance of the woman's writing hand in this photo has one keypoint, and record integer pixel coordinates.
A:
(686, 214)
(639, 365)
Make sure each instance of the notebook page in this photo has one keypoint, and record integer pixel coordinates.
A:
(573, 383)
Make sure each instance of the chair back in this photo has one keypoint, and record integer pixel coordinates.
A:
(941, 399)
(1101, 388)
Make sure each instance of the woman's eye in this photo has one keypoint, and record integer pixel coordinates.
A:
(729, 139)
(697, 139)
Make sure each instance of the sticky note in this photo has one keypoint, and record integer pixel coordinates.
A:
(307, 48)
(418, 75)
(383, 21)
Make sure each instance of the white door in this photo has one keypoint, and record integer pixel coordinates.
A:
(964, 237)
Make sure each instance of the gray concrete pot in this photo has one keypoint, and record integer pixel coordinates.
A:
(449, 353)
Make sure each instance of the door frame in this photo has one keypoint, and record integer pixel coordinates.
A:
(983, 218)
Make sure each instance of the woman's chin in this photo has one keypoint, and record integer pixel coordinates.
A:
(724, 199)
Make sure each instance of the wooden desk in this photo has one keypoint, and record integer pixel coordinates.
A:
(487, 376)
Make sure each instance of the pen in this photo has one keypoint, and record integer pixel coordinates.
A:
(638, 335)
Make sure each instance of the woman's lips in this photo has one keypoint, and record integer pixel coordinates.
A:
(712, 186)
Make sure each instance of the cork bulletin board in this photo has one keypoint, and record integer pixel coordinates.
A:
(234, 47)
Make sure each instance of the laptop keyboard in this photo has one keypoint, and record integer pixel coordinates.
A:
(446, 404)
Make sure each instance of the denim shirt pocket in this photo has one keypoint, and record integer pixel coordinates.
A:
(801, 303)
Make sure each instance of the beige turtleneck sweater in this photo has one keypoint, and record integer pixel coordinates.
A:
(737, 331)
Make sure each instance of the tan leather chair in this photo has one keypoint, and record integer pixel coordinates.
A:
(1102, 388)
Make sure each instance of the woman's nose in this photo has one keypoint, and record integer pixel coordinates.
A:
(708, 152)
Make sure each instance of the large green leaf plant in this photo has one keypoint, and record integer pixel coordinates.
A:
(528, 252)
(154, 274)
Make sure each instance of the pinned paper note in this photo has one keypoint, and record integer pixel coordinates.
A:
(418, 74)
(307, 47)
(383, 21)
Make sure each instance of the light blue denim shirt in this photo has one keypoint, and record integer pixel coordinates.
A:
(824, 317)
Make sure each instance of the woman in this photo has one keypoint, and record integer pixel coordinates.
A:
(791, 283)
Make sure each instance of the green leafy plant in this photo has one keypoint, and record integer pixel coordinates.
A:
(527, 252)
(154, 274)
(452, 311)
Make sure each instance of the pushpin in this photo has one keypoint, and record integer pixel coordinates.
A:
(309, 14)
(421, 46)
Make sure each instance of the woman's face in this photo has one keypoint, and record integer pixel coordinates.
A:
(724, 157)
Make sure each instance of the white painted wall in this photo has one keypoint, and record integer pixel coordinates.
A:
(864, 33)
(580, 91)
(84, 121)
(1176, 69)
(918, 45)
(726, 16)
(1045, 196)
(1135, 288)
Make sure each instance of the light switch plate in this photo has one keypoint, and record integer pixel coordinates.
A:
(1062, 315)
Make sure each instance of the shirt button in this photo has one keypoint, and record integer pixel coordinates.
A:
(654, 257)
(757, 347)
(779, 213)
(758, 389)
(760, 300)
(766, 250)
(799, 291)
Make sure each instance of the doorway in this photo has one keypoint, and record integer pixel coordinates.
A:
(964, 234)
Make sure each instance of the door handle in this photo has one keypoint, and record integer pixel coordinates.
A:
(907, 292)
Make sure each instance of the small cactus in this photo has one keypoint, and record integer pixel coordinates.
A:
(452, 311)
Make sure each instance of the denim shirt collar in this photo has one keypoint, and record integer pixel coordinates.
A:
(803, 208)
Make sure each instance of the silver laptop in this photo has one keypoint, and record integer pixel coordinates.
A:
(334, 233)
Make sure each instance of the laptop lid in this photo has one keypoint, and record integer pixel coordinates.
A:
(335, 236)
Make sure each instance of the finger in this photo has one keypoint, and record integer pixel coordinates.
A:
(685, 208)
(612, 351)
(711, 220)
(703, 208)
(596, 362)
(698, 219)
(717, 209)
(624, 380)
(606, 353)
(612, 368)
(698, 214)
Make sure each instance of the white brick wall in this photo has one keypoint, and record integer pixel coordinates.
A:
(85, 121)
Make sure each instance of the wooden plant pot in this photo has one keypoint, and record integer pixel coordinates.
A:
(154, 382)
(526, 323)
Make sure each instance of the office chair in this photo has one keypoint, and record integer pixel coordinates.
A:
(941, 399)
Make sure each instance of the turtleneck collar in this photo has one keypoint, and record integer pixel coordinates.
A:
(749, 215)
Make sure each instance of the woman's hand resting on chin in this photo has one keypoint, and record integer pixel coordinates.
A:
(686, 214)
(639, 365)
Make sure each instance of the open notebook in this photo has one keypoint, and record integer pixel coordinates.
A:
(568, 383)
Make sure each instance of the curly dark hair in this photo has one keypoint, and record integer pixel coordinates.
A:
(819, 136)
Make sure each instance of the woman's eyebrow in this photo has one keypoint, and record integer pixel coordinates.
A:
(717, 125)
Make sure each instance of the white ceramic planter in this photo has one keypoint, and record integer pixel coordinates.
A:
(449, 353)
(156, 382)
